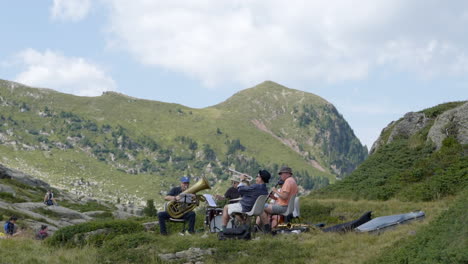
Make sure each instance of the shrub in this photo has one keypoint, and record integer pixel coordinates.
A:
(150, 210)
(128, 248)
(75, 235)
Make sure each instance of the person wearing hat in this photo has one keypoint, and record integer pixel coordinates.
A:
(174, 195)
(232, 193)
(249, 195)
(282, 196)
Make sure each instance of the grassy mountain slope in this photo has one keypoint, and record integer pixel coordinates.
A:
(444, 241)
(407, 172)
(421, 157)
(132, 149)
(411, 167)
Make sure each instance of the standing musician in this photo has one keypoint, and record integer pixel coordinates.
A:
(249, 195)
(174, 195)
(288, 189)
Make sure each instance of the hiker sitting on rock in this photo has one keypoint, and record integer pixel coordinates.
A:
(42, 234)
(10, 226)
(49, 198)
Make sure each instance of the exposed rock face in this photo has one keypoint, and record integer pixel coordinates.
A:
(408, 126)
(453, 122)
(6, 173)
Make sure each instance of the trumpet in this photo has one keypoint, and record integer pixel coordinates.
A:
(236, 175)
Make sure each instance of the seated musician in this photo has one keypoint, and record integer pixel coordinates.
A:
(249, 195)
(274, 219)
(231, 193)
(288, 189)
(174, 195)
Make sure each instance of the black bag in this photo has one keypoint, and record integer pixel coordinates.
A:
(235, 233)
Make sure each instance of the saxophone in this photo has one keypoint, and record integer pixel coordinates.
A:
(177, 209)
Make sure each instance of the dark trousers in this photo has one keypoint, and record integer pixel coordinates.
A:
(188, 217)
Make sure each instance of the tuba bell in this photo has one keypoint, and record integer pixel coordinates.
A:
(177, 209)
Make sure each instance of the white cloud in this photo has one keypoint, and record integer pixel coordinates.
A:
(66, 74)
(250, 41)
(73, 10)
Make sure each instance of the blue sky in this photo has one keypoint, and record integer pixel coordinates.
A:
(374, 60)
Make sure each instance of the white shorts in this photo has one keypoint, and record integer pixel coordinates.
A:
(234, 208)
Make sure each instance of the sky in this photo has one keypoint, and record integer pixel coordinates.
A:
(375, 60)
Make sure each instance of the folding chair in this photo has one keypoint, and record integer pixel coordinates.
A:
(257, 209)
(290, 208)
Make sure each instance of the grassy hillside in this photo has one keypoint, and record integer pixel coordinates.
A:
(404, 174)
(408, 168)
(444, 241)
(313, 247)
(117, 147)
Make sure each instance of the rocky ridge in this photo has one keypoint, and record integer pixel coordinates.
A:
(451, 122)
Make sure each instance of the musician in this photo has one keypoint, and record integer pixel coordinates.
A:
(274, 219)
(174, 195)
(249, 195)
(231, 193)
(288, 189)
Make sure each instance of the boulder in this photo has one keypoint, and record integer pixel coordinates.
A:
(409, 125)
(454, 123)
(7, 189)
(192, 255)
(149, 225)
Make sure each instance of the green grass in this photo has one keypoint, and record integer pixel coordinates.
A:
(407, 173)
(129, 245)
(26, 250)
(10, 198)
(48, 213)
(444, 241)
(435, 111)
(88, 206)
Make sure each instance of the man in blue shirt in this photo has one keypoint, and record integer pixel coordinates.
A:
(249, 195)
(174, 195)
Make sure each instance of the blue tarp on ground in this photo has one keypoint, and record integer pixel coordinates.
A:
(383, 222)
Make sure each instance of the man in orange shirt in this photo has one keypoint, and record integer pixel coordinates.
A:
(288, 189)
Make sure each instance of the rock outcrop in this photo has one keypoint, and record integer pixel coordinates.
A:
(7, 173)
(453, 122)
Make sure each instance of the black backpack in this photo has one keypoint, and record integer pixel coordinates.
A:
(241, 232)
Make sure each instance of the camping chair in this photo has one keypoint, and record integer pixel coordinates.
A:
(296, 214)
(290, 209)
(178, 220)
(257, 209)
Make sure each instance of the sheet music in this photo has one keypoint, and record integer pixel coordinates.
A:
(209, 199)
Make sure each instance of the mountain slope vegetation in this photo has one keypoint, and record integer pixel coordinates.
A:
(408, 164)
(117, 147)
(418, 163)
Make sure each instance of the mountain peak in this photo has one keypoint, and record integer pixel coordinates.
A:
(274, 93)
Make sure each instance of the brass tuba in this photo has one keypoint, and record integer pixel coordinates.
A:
(177, 209)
